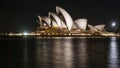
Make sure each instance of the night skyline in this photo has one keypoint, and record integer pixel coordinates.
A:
(17, 16)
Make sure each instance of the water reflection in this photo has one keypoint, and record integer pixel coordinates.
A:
(82, 53)
(25, 53)
(113, 53)
(58, 54)
(9, 54)
(42, 53)
(63, 53)
(68, 53)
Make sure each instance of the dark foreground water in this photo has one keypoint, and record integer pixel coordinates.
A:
(60, 53)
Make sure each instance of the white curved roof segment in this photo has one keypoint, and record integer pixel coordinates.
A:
(63, 25)
(74, 26)
(56, 18)
(67, 17)
(92, 28)
(54, 24)
(40, 20)
(97, 27)
(81, 23)
(47, 21)
(100, 27)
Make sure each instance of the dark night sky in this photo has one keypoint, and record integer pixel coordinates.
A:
(21, 15)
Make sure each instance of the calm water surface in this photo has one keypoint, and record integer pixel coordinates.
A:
(60, 53)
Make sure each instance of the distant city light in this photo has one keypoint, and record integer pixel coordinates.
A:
(25, 33)
(113, 24)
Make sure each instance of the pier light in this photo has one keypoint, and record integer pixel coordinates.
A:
(25, 33)
(113, 24)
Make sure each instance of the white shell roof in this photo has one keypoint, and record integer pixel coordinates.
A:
(100, 27)
(92, 28)
(56, 18)
(74, 26)
(54, 24)
(40, 22)
(68, 21)
(97, 27)
(47, 20)
(63, 25)
(67, 17)
(81, 23)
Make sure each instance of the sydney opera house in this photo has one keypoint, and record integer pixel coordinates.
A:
(61, 23)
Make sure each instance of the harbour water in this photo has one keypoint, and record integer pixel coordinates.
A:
(67, 52)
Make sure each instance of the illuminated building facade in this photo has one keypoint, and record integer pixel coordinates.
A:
(61, 23)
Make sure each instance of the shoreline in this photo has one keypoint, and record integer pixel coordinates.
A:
(50, 36)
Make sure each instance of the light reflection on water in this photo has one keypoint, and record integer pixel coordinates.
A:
(58, 54)
(82, 53)
(42, 56)
(66, 52)
(62, 52)
(25, 54)
(113, 53)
